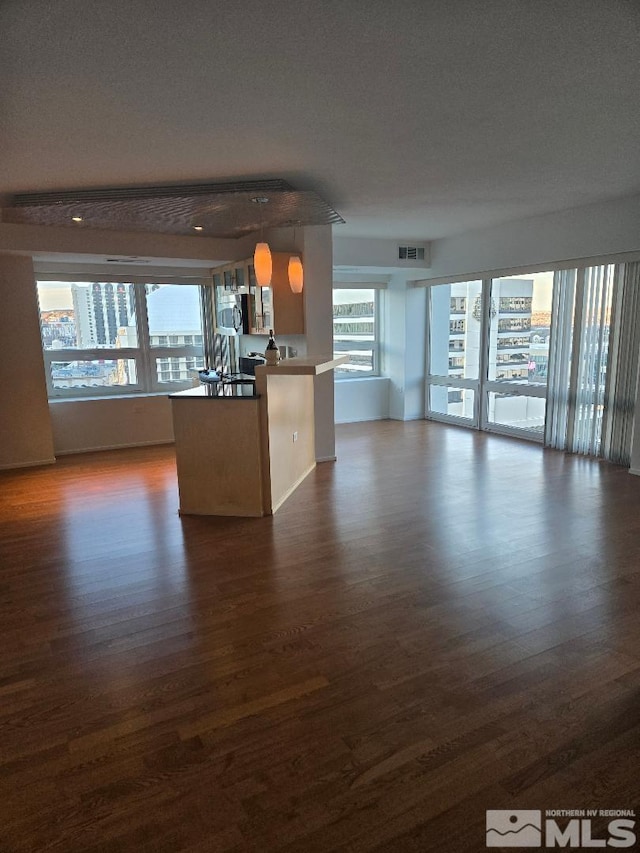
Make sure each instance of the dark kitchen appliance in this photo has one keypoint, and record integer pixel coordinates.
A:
(249, 363)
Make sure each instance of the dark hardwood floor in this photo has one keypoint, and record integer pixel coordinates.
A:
(443, 622)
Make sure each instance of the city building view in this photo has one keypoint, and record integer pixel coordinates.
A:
(100, 310)
(517, 349)
(175, 322)
(90, 316)
(354, 331)
(493, 372)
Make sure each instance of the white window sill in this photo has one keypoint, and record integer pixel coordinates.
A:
(348, 379)
(100, 397)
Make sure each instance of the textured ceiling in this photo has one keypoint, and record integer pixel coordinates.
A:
(414, 118)
(215, 210)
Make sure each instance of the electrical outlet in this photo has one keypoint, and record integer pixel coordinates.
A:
(295, 436)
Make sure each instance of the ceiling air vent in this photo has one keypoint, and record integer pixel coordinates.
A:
(411, 253)
(133, 260)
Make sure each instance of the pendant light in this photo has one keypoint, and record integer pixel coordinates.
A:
(262, 263)
(296, 273)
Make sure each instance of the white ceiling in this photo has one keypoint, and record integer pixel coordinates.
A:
(415, 119)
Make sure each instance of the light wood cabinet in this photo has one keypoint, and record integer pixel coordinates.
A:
(245, 455)
(275, 307)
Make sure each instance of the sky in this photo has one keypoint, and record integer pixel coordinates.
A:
(542, 288)
(54, 295)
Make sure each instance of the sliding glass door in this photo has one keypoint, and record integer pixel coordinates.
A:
(547, 356)
(453, 381)
(488, 353)
(515, 389)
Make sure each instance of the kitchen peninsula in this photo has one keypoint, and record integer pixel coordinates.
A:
(241, 450)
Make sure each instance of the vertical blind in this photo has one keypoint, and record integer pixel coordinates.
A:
(559, 369)
(593, 360)
(624, 349)
(594, 298)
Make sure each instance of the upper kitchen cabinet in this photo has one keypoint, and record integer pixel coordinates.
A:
(244, 308)
(277, 307)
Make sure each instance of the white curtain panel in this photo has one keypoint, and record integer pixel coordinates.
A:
(593, 360)
(592, 326)
(559, 369)
(624, 350)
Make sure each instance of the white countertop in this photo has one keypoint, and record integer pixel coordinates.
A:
(309, 366)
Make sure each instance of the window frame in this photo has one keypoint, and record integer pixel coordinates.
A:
(482, 385)
(144, 354)
(376, 347)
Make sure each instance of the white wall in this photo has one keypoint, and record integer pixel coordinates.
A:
(25, 428)
(318, 321)
(415, 352)
(393, 347)
(608, 228)
(82, 425)
(375, 254)
(361, 399)
(404, 347)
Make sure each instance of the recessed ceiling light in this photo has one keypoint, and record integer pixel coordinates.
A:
(77, 218)
(198, 227)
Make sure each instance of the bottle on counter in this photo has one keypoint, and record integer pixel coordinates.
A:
(272, 353)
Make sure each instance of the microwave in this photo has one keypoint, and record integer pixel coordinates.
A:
(232, 312)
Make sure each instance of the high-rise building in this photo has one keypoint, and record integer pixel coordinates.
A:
(456, 332)
(100, 309)
(175, 320)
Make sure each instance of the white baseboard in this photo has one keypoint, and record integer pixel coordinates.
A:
(635, 471)
(327, 459)
(112, 447)
(364, 420)
(13, 465)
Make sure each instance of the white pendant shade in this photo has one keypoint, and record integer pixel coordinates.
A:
(296, 274)
(262, 264)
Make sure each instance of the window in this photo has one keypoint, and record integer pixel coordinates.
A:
(513, 324)
(355, 331)
(105, 338)
(473, 359)
(515, 304)
(451, 402)
(513, 343)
